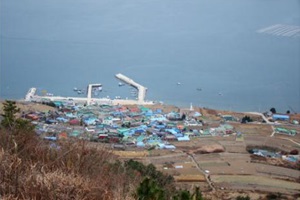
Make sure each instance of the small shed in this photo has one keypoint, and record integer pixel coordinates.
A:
(281, 117)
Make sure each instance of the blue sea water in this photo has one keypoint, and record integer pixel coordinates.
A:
(215, 45)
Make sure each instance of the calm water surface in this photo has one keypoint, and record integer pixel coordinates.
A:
(222, 47)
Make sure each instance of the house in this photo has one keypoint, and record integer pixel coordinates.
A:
(281, 117)
(228, 118)
(183, 138)
(285, 131)
(170, 137)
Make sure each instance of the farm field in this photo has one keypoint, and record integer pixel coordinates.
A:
(232, 169)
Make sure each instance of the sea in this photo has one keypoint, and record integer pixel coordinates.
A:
(239, 55)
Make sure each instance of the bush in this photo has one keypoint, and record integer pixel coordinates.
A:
(246, 119)
(273, 196)
(243, 198)
(294, 152)
(32, 168)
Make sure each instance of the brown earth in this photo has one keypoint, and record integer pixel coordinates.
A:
(28, 107)
(233, 172)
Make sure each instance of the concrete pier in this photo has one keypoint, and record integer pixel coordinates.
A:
(141, 89)
(32, 96)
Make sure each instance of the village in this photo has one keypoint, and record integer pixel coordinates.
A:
(216, 150)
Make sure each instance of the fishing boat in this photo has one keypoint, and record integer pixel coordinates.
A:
(121, 84)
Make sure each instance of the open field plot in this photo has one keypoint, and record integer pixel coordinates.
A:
(224, 138)
(256, 140)
(182, 164)
(200, 147)
(182, 169)
(255, 183)
(208, 164)
(280, 172)
(191, 185)
(131, 154)
(187, 145)
(229, 163)
(217, 139)
(293, 141)
(283, 143)
(195, 143)
(163, 152)
(257, 129)
(234, 146)
(190, 178)
(171, 158)
(209, 157)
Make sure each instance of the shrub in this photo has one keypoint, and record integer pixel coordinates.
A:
(243, 198)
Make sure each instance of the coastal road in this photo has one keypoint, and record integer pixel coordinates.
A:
(260, 114)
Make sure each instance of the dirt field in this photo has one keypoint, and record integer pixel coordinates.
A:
(275, 171)
(31, 107)
(253, 129)
(256, 182)
(236, 168)
(131, 154)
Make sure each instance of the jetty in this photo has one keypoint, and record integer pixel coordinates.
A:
(31, 95)
(141, 89)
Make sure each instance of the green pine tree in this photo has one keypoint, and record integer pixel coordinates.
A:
(9, 116)
(10, 121)
(197, 194)
(149, 190)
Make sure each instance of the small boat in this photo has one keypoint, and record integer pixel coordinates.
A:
(199, 89)
(97, 89)
(49, 94)
(75, 88)
(121, 84)
(178, 83)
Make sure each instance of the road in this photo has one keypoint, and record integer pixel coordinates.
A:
(207, 176)
(260, 114)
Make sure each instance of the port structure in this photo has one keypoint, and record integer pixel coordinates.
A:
(89, 91)
(30, 94)
(141, 89)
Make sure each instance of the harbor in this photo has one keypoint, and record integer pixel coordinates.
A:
(32, 95)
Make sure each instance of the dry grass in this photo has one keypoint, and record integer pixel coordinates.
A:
(32, 169)
(190, 178)
(30, 107)
(131, 154)
(255, 129)
(258, 181)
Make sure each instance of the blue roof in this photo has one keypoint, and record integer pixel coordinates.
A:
(278, 116)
